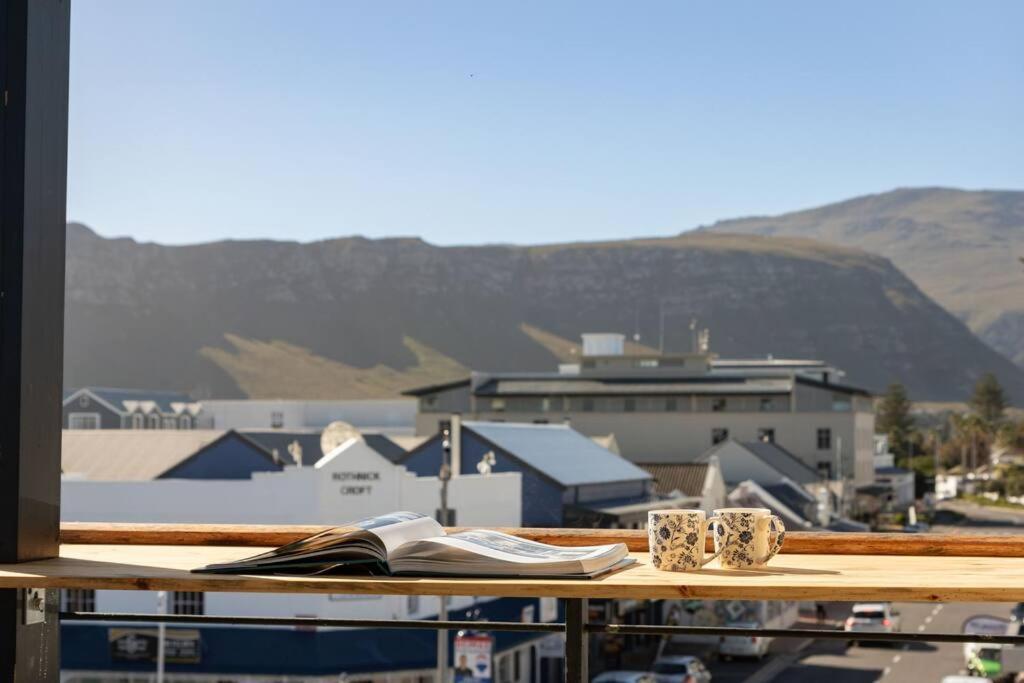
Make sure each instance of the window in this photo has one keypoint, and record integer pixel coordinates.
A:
(276, 419)
(504, 670)
(767, 404)
(588, 405)
(719, 434)
(77, 600)
(184, 422)
(138, 421)
(825, 470)
(186, 602)
(629, 406)
(84, 421)
(517, 664)
(718, 405)
(766, 434)
(83, 401)
(170, 423)
(427, 403)
(671, 405)
(412, 604)
(840, 403)
(824, 439)
(154, 422)
(498, 405)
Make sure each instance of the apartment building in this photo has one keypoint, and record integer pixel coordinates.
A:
(673, 407)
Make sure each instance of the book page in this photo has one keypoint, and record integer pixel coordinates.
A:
(512, 549)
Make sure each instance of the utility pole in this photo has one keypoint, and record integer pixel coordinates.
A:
(161, 635)
(839, 474)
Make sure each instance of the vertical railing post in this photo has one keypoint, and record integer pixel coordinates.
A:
(34, 53)
(577, 650)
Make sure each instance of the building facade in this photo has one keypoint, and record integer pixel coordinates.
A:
(671, 408)
(110, 408)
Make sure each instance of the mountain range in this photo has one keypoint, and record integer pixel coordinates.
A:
(353, 317)
(963, 248)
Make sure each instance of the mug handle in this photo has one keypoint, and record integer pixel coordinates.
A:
(774, 544)
(728, 538)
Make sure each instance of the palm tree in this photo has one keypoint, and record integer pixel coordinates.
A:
(969, 431)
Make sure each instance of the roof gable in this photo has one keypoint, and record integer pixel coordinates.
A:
(559, 452)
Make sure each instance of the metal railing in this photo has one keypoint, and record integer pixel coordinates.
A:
(576, 627)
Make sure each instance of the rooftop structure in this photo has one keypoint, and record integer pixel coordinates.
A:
(113, 408)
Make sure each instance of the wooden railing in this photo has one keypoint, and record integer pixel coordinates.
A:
(797, 542)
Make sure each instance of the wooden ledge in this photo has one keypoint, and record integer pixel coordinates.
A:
(797, 542)
(796, 577)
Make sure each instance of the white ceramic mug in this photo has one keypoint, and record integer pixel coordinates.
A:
(676, 539)
(746, 538)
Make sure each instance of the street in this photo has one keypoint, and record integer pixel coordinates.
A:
(835, 662)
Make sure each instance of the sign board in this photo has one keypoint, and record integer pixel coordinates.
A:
(473, 658)
(551, 645)
(986, 625)
(181, 646)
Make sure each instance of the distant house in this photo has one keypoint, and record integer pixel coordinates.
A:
(130, 455)
(900, 486)
(751, 494)
(110, 408)
(700, 481)
(567, 478)
(763, 462)
(386, 416)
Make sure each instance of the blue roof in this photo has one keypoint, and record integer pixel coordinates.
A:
(783, 461)
(559, 452)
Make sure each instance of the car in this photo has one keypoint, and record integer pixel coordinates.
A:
(624, 677)
(986, 660)
(680, 669)
(1017, 613)
(743, 646)
(872, 617)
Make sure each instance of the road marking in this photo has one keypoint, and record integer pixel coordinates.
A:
(938, 608)
(896, 659)
(921, 627)
(885, 671)
(928, 620)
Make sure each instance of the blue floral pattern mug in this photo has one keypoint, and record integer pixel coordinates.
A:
(676, 539)
(747, 538)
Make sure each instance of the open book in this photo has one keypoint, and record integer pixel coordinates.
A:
(408, 543)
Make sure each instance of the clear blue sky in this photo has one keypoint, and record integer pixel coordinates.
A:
(472, 122)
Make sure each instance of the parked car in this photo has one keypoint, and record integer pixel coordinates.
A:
(1017, 613)
(872, 617)
(986, 660)
(743, 646)
(680, 669)
(625, 677)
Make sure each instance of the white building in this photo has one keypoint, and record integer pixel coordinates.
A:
(352, 482)
(386, 416)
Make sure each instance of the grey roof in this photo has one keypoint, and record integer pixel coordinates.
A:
(116, 397)
(687, 478)
(783, 461)
(132, 454)
(560, 452)
(532, 387)
(792, 495)
(891, 470)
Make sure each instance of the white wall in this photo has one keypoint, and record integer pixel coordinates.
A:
(394, 416)
(352, 482)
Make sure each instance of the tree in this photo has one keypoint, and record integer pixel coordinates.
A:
(894, 419)
(988, 401)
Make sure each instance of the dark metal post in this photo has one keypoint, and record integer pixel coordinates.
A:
(34, 49)
(577, 650)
